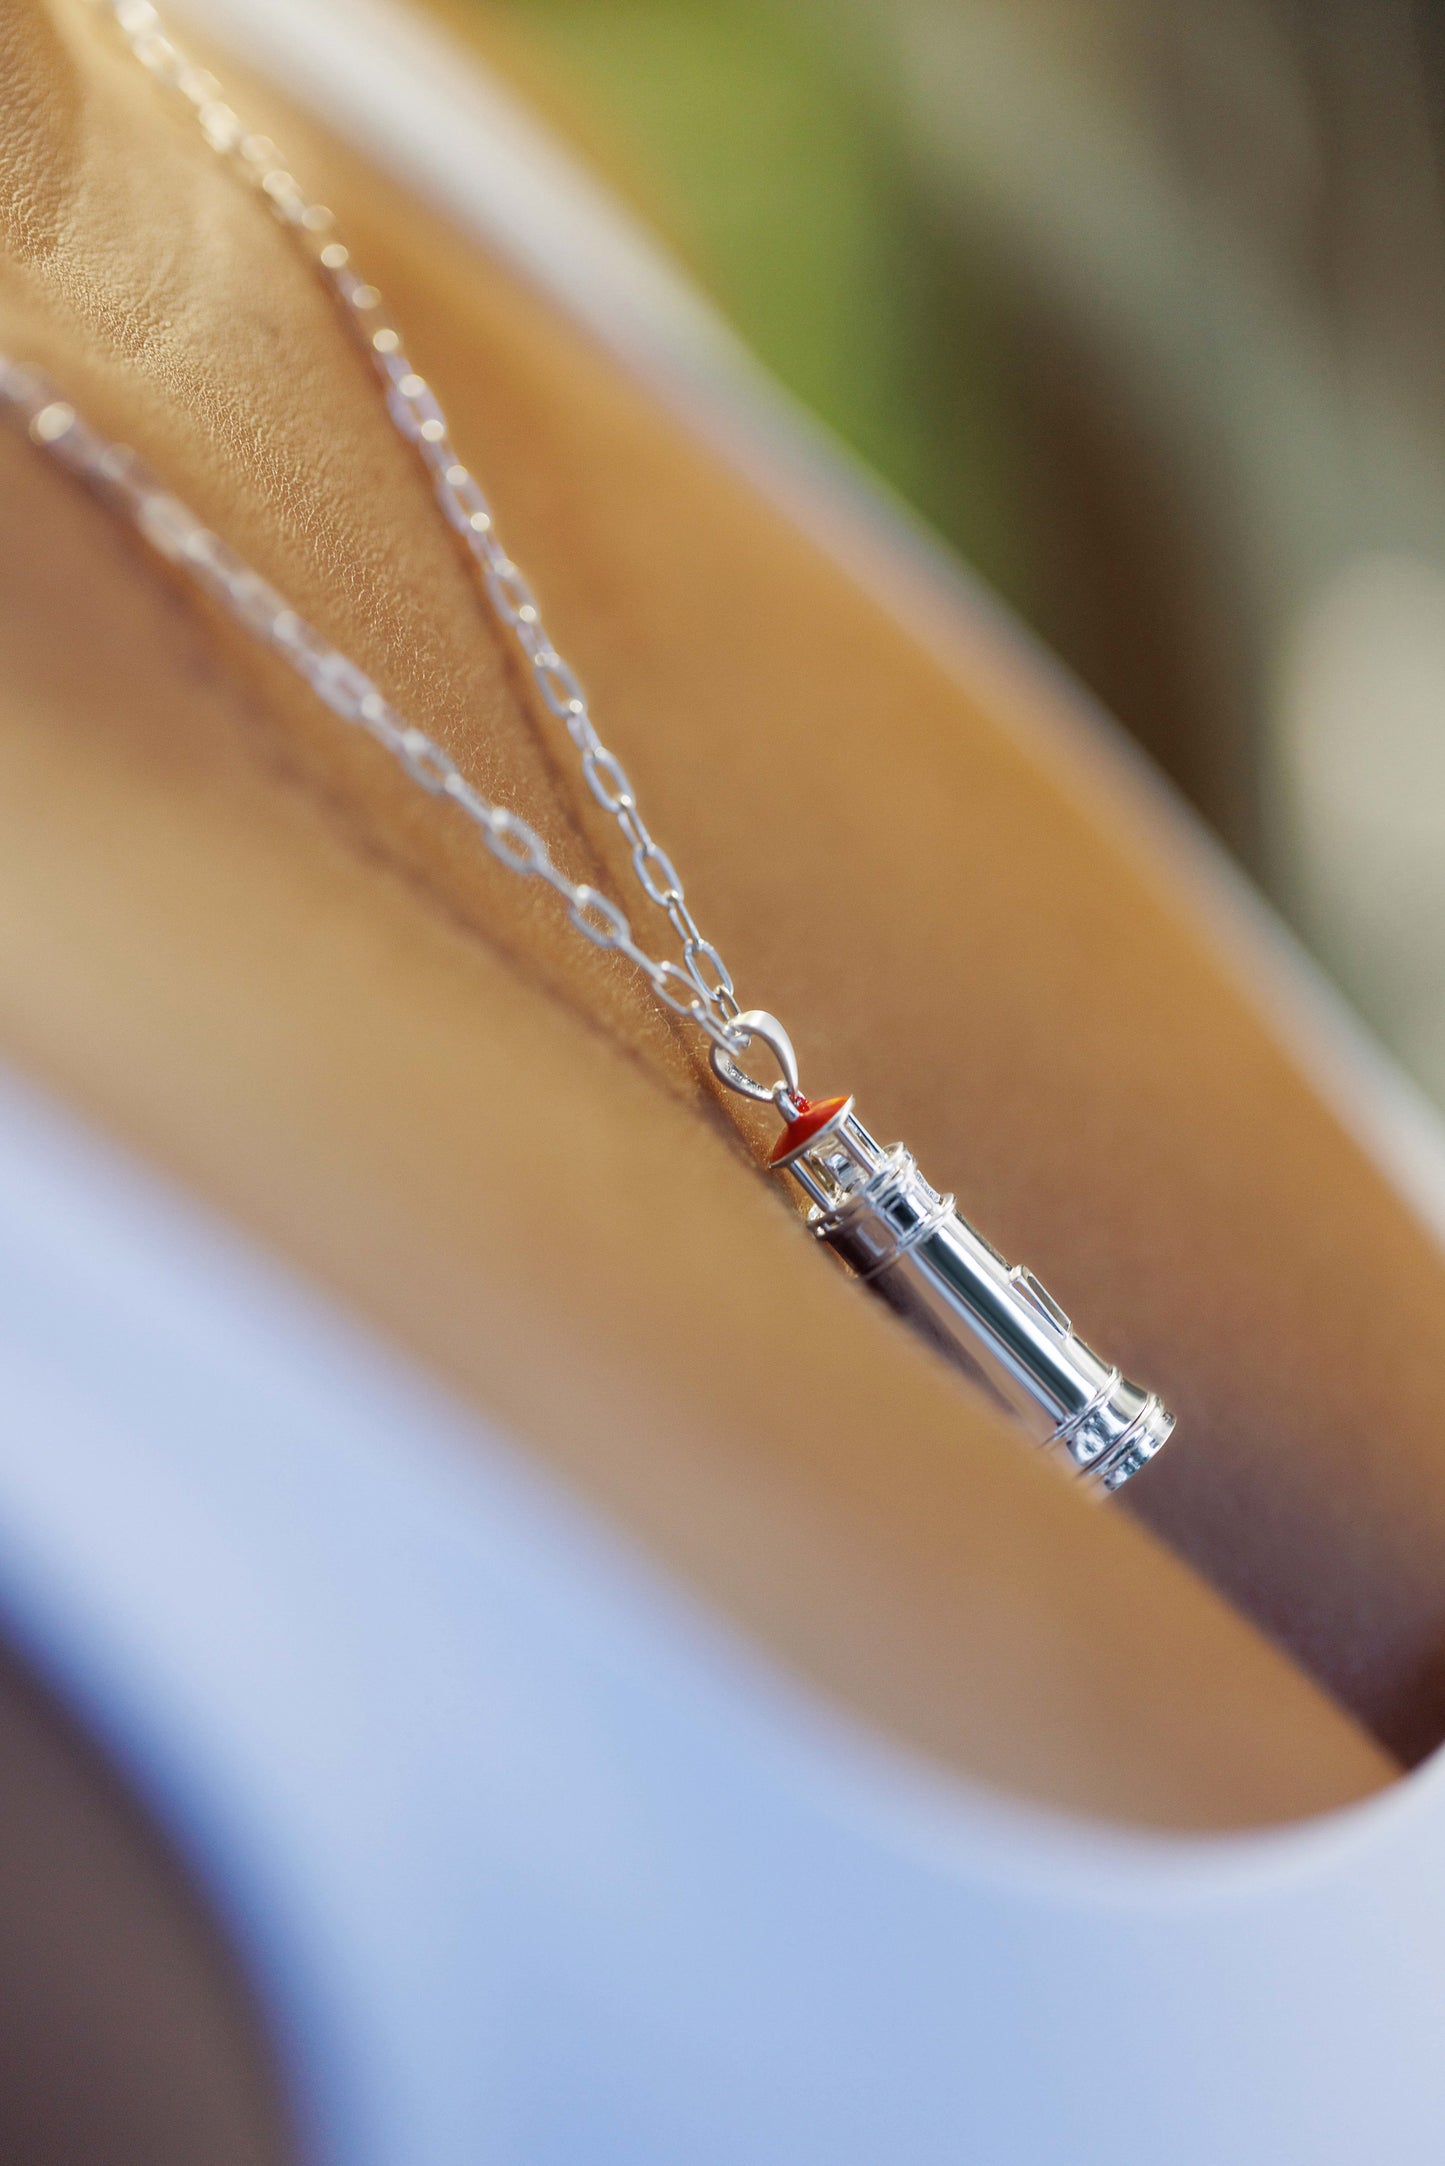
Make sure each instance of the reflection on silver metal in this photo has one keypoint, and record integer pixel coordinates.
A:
(757, 1023)
(910, 1246)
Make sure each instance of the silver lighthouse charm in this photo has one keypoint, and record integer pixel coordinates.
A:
(908, 1245)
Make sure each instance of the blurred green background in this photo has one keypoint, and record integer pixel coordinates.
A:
(1141, 303)
(770, 138)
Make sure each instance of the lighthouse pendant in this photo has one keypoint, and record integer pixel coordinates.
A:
(909, 1245)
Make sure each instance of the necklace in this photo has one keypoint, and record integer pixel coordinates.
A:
(903, 1239)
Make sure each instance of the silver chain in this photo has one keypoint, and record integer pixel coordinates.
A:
(700, 988)
(174, 531)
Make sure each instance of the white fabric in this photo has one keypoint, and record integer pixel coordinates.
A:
(533, 1866)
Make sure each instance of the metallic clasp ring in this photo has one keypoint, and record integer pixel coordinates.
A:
(757, 1023)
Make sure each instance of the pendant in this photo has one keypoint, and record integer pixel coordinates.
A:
(911, 1247)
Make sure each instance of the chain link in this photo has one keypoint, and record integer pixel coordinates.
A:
(175, 533)
(418, 417)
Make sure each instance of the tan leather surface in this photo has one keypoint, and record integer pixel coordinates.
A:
(234, 936)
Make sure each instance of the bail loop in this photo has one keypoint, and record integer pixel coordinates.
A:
(757, 1023)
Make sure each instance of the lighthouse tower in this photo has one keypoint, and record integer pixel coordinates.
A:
(911, 1247)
